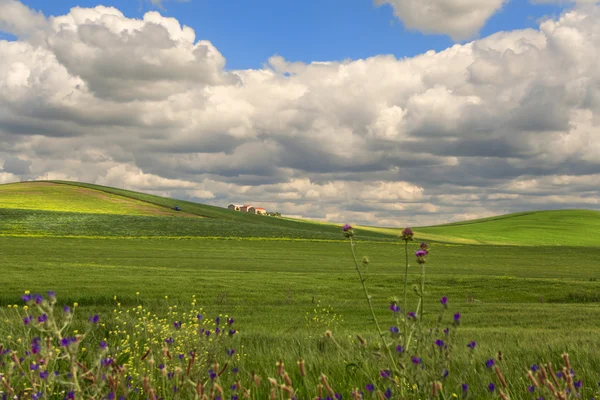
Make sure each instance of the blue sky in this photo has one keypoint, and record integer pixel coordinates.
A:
(248, 32)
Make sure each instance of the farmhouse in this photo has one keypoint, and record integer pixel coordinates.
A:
(247, 209)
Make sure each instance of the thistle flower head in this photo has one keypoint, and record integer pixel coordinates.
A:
(407, 234)
(421, 256)
(347, 230)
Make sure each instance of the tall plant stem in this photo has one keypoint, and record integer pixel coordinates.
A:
(405, 310)
(362, 281)
(422, 291)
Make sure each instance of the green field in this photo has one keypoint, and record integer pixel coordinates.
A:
(525, 284)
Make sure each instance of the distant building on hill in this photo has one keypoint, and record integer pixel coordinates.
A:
(247, 209)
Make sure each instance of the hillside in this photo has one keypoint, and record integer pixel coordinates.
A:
(59, 208)
(537, 228)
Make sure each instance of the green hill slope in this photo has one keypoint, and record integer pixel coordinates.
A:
(538, 228)
(61, 208)
(58, 208)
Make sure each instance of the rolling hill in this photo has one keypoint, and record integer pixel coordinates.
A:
(536, 228)
(62, 208)
(73, 209)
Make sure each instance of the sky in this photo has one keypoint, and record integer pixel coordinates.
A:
(379, 112)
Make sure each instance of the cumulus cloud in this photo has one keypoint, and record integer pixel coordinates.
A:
(505, 123)
(459, 19)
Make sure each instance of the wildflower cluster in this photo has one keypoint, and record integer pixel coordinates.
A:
(163, 357)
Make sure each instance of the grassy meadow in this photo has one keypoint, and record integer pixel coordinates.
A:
(525, 285)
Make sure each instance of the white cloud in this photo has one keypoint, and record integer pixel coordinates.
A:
(459, 19)
(496, 125)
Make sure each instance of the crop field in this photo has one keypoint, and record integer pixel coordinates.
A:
(525, 285)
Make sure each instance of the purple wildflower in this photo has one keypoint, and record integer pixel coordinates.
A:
(439, 343)
(489, 363)
(230, 352)
(578, 384)
(370, 387)
(445, 374)
(38, 298)
(465, 387)
(161, 366)
(385, 373)
(456, 318)
(43, 374)
(416, 360)
(420, 253)
(26, 298)
(103, 345)
(407, 234)
(212, 374)
(534, 368)
(472, 345)
(94, 319)
(67, 309)
(346, 227)
(217, 320)
(181, 356)
(36, 345)
(394, 330)
(42, 318)
(394, 307)
(27, 320)
(51, 294)
(491, 387)
(388, 393)
(105, 362)
(531, 388)
(199, 317)
(446, 331)
(169, 340)
(232, 332)
(444, 301)
(230, 321)
(412, 315)
(400, 349)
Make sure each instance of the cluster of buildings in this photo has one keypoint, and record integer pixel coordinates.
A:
(247, 209)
